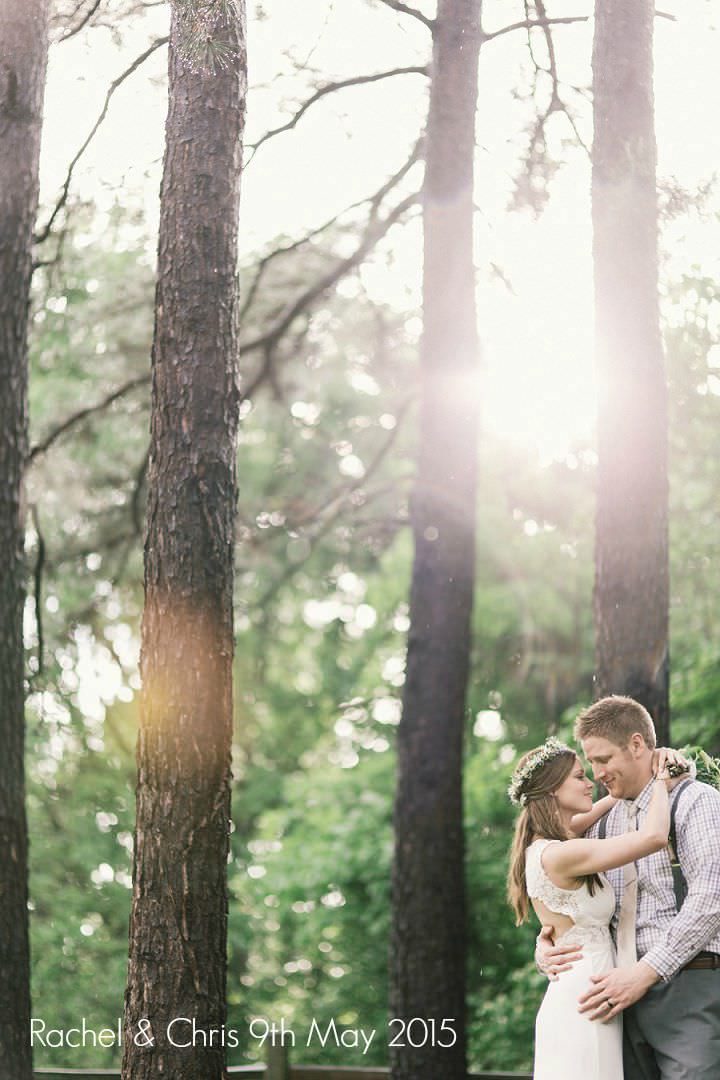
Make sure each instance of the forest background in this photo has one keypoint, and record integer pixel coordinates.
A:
(325, 464)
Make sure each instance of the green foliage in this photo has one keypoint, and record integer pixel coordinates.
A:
(205, 40)
(708, 768)
(81, 814)
(311, 904)
(502, 1000)
(501, 1030)
(323, 564)
(692, 344)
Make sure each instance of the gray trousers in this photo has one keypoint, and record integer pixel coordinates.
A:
(673, 1033)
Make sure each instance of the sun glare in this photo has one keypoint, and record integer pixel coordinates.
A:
(534, 275)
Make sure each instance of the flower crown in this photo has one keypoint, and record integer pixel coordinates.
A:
(549, 749)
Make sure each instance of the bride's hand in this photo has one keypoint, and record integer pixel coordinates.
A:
(663, 758)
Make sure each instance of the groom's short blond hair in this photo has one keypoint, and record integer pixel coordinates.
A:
(616, 718)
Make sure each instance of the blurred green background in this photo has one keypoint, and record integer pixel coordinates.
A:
(323, 568)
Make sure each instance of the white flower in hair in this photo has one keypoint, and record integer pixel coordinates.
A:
(549, 749)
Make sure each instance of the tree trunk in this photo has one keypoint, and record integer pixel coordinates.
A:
(23, 60)
(428, 935)
(631, 580)
(178, 925)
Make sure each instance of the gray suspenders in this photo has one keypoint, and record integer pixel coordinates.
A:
(679, 882)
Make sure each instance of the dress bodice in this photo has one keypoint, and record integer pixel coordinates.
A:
(591, 914)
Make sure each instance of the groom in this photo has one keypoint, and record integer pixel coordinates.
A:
(671, 993)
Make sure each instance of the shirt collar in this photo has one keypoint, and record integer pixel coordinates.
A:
(641, 801)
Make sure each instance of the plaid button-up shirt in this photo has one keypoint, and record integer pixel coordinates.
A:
(667, 939)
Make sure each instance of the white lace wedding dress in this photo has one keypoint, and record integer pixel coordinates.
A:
(568, 1046)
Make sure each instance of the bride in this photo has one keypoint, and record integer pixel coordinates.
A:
(562, 876)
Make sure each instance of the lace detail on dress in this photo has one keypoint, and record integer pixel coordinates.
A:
(586, 935)
(540, 887)
(591, 914)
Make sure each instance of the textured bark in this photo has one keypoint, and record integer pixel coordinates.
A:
(178, 925)
(23, 60)
(428, 936)
(631, 582)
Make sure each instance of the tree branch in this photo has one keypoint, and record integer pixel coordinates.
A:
(556, 103)
(136, 517)
(37, 577)
(528, 24)
(330, 88)
(57, 14)
(82, 414)
(57, 258)
(375, 200)
(415, 155)
(286, 250)
(377, 228)
(337, 502)
(137, 491)
(83, 22)
(344, 491)
(107, 542)
(533, 179)
(158, 43)
(397, 5)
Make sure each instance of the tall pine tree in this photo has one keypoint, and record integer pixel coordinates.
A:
(23, 62)
(178, 927)
(632, 576)
(428, 934)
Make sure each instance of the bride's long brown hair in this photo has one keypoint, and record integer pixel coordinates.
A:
(539, 818)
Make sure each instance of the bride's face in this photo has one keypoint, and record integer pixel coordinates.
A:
(574, 796)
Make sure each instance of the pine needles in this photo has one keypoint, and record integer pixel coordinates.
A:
(206, 41)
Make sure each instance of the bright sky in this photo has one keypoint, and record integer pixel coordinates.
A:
(537, 340)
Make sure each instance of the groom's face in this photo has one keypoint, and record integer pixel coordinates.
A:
(620, 769)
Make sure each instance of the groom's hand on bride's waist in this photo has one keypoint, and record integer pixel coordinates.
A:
(553, 959)
(614, 991)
